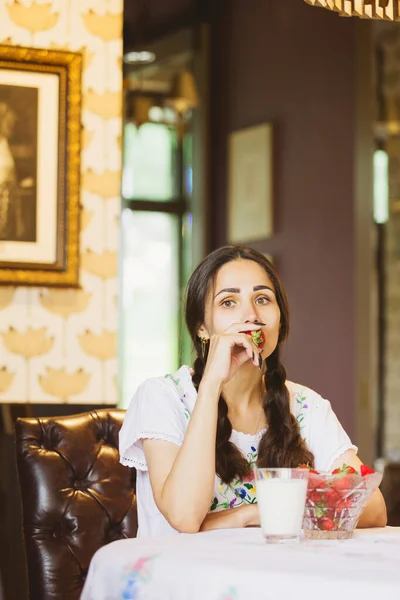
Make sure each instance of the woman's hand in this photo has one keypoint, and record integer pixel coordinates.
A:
(232, 518)
(229, 351)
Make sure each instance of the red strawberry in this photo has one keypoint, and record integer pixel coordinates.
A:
(344, 503)
(327, 497)
(315, 480)
(315, 497)
(365, 470)
(309, 468)
(316, 484)
(344, 470)
(344, 479)
(343, 484)
(326, 524)
(332, 497)
(258, 337)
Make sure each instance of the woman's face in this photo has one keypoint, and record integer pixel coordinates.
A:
(242, 293)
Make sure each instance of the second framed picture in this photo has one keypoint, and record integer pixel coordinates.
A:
(40, 121)
(250, 184)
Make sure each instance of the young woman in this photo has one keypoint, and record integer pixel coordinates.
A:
(195, 436)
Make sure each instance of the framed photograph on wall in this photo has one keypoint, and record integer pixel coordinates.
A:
(40, 122)
(250, 184)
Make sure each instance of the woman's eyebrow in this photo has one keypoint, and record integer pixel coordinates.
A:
(256, 288)
(230, 290)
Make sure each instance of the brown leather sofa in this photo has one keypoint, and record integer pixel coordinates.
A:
(76, 497)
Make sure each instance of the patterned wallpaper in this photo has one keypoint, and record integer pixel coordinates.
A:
(61, 345)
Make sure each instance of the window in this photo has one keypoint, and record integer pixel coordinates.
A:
(156, 226)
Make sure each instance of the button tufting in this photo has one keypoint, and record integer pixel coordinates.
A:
(80, 485)
(90, 492)
(60, 531)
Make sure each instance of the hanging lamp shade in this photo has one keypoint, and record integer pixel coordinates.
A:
(388, 10)
(183, 94)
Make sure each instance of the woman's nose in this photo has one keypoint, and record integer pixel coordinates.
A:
(251, 318)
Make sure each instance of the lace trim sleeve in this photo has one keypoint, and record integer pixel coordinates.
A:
(154, 413)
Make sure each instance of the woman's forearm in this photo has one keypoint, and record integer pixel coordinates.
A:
(188, 490)
(244, 516)
(374, 514)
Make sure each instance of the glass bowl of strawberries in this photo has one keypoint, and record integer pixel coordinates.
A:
(335, 501)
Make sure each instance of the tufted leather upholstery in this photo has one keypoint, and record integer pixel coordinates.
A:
(76, 497)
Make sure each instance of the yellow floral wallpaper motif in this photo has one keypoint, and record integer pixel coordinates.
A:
(102, 346)
(29, 343)
(65, 302)
(86, 217)
(34, 17)
(87, 138)
(64, 385)
(107, 105)
(106, 184)
(6, 379)
(107, 26)
(6, 296)
(103, 265)
(61, 345)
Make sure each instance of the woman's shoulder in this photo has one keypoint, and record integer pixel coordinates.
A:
(176, 381)
(175, 388)
(306, 403)
(158, 410)
(319, 426)
(303, 396)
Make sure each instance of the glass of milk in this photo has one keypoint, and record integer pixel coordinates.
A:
(281, 498)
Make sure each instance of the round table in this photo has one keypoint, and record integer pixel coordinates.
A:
(238, 565)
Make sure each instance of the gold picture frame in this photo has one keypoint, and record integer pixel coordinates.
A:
(40, 146)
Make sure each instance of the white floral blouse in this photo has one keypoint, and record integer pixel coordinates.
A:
(161, 409)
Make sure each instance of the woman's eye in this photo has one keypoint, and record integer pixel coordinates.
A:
(227, 303)
(262, 300)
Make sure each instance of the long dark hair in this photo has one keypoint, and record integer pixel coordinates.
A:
(282, 444)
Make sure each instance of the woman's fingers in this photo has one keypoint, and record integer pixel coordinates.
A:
(229, 351)
(244, 341)
(242, 327)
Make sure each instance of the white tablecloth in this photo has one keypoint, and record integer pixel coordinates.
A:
(238, 565)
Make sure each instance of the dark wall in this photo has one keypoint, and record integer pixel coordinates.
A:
(145, 20)
(148, 20)
(286, 62)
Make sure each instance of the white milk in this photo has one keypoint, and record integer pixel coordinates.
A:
(281, 504)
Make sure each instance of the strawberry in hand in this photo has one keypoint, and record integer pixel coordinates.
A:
(257, 336)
